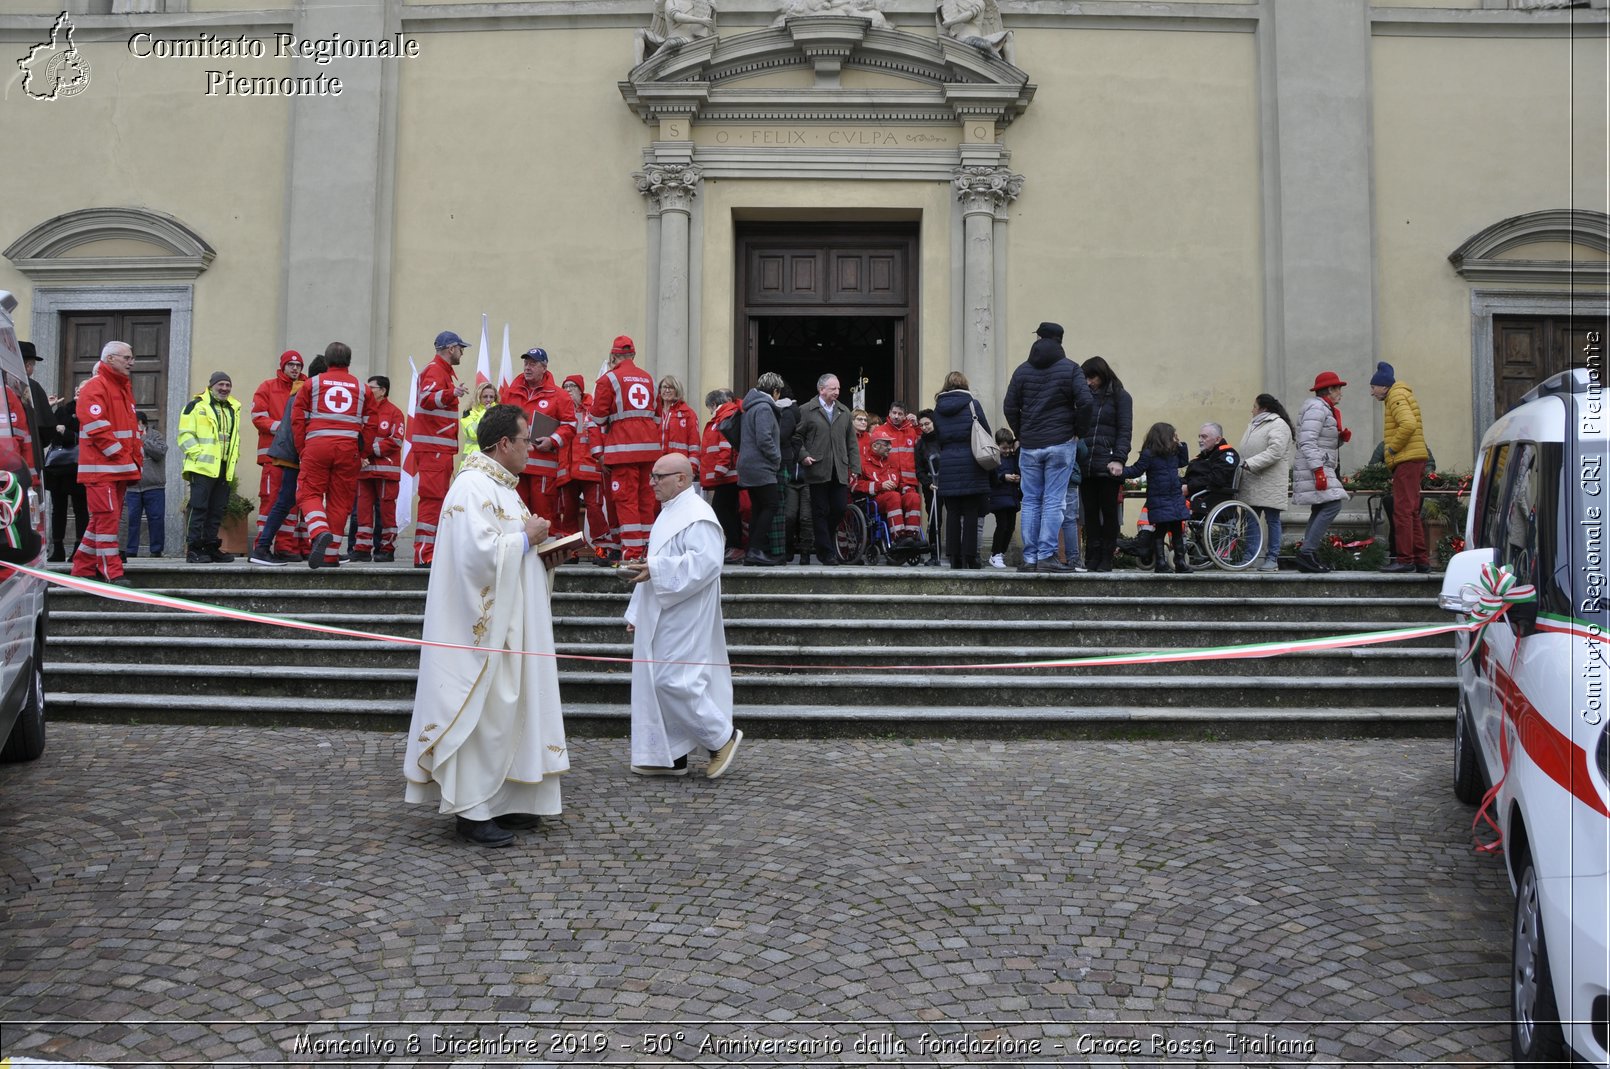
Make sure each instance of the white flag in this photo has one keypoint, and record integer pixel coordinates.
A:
(405, 489)
(505, 369)
(483, 362)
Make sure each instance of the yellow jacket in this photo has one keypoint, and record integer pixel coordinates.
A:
(1404, 435)
(209, 449)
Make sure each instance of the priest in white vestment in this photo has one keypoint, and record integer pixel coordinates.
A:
(487, 742)
(681, 683)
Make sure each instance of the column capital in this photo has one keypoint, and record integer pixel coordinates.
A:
(986, 190)
(671, 187)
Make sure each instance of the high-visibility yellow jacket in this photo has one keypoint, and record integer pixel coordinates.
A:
(209, 449)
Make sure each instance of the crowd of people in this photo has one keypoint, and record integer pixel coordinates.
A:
(778, 472)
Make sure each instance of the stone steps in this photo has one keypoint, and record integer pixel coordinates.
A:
(359, 654)
(823, 641)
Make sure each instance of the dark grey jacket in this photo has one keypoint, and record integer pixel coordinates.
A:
(838, 456)
(760, 451)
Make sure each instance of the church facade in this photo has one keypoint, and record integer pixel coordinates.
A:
(1221, 199)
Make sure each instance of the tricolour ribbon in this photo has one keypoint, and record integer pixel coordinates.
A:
(1250, 651)
(10, 509)
(1500, 588)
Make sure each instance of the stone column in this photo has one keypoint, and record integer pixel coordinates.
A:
(984, 193)
(672, 189)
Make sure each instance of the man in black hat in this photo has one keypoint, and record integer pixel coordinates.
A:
(1048, 404)
(41, 425)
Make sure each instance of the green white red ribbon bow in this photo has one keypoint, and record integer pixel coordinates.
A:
(1500, 589)
(10, 509)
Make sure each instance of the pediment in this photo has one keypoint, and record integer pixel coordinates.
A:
(1558, 246)
(110, 242)
(827, 67)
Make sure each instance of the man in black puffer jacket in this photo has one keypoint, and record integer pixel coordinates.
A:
(1048, 403)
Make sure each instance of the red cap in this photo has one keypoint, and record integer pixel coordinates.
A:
(623, 347)
(287, 356)
(1325, 380)
(581, 383)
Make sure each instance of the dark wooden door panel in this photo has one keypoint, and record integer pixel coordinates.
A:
(84, 334)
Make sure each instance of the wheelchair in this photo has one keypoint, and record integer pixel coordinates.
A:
(1218, 537)
(864, 536)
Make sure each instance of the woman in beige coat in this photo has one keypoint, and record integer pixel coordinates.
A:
(1266, 473)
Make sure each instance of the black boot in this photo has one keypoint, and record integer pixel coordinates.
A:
(57, 554)
(1308, 563)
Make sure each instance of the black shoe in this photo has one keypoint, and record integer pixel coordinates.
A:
(1053, 565)
(1423, 569)
(267, 558)
(315, 556)
(198, 556)
(218, 556)
(832, 560)
(1309, 564)
(1182, 569)
(385, 557)
(484, 832)
(518, 821)
(1398, 566)
(759, 560)
(424, 564)
(1028, 566)
(120, 581)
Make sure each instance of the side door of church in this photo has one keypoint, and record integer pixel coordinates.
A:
(1528, 349)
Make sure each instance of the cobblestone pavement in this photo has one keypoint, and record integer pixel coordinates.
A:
(265, 896)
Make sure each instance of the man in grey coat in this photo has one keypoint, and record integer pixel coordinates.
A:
(831, 459)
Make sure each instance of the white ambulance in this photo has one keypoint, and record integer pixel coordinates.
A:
(22, 598)
(1533, 714)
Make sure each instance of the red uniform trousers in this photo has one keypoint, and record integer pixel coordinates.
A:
(373, 494)
(582, 501)
(292, 537)
(435, 476)
(1408, 533)
(541, 502)
(97, 553)
(903, 510)
(325, 488)
(632, 497)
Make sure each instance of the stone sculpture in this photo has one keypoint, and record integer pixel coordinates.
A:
(675, 23)
(977, 23)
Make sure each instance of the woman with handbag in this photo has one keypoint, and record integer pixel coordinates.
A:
(963, 482)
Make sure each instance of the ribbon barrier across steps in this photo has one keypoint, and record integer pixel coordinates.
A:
(1499, 590)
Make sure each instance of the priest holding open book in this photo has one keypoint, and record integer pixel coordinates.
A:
(487, 741)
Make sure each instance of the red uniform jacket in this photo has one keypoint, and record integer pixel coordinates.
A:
(268, 404)
(550, 399)
(586, 447)
(383, 456)
(109, 445)
(717, 462)
(679, 432)
(434, 427)
(904, 451)
(336, 406)
(623, 404)
(877, 472)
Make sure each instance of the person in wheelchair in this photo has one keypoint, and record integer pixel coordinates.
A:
(1211, 477)
(897, 498)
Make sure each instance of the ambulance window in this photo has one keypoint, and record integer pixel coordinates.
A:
(1518, 545)
(1489, 498)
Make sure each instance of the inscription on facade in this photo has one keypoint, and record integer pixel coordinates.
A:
(844, 137)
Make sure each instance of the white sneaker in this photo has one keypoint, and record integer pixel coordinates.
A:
(998, 561)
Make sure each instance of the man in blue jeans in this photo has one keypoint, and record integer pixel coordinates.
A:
(1048, 403)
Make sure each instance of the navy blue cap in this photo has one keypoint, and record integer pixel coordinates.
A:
(537, 353)
(446, 338)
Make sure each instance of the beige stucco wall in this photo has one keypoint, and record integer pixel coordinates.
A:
(144, 134)
(1453, 154)
(527, 213)
(1139, 225)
